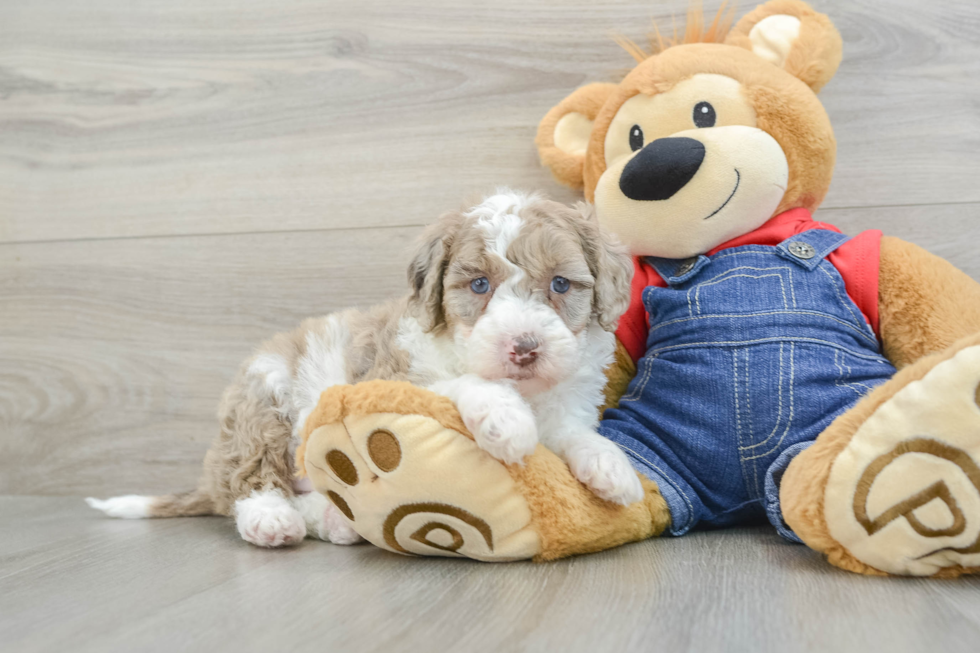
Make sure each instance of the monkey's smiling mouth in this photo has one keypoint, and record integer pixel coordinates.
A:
(738, 180)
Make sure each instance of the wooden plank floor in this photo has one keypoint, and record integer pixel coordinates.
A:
(73, 581)
(179, 180)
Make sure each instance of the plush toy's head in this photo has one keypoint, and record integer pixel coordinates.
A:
(703, 142)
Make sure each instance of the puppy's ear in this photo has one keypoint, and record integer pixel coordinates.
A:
(791, 35)
(564, 133)
(428, 267)
(610, 264)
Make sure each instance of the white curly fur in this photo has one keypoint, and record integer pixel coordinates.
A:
(508, 405)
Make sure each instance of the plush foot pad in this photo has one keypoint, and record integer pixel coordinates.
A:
(903, 496)
(403, 472)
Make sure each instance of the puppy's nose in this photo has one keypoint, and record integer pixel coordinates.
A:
(524, 350)
(661, 168)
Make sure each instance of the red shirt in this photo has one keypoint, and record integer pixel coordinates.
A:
(857, 261)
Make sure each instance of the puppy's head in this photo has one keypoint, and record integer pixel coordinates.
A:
(517, 281)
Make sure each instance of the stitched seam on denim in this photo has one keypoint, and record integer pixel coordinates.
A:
(736, 343)
(771, 268)
(807, 264)
(839, 362)
(774, 269)
(792, 288)
(779, 402)
(840, 370)
(789, 422)
(717, 279)
(844, 304)
(747, 477)
(748, 401)
(738, 412)
(746, 249)
(767, 250)
(748, 384)
(831, 242)
(849, 325)
(749, 249)
(641, 386)
(782, 287)
(666, 477)
(738, 416)
(850, 371)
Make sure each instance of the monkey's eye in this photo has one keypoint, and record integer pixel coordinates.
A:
(480, 286)
(636, 138)
(704, 115)
(560, 285)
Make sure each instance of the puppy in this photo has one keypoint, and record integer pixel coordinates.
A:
(510, 315)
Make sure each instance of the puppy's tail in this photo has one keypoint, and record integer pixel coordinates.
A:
(136, 506)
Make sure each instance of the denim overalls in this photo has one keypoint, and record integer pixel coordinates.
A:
(752, 353)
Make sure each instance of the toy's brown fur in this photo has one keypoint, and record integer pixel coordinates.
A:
(695, 31)
(378, 397)
(928, 310)
(618, 377)
(568, 518)
(925, 304)
(813, 59)
(587, 100)
(804, 483)
(571, 520)
(785, 108)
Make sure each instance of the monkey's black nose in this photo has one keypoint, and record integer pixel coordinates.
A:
(661, 168)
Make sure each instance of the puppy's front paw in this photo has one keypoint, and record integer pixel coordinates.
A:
(603, 467)
(266, 519)
(503, 425)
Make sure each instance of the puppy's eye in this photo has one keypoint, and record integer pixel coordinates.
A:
(636, 138)
(480, 286)
(560, 285)
(704, 115)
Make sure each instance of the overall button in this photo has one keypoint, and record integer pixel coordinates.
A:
(801, 250)
(686, 266)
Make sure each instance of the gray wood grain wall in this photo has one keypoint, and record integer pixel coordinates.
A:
(180, 179)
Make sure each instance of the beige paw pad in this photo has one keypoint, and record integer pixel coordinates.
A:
(411, 484)
(904, 495)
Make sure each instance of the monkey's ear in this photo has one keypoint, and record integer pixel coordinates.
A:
(564, 133)
(791, 35)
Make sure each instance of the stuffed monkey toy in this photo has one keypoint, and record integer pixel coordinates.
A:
(769, 366)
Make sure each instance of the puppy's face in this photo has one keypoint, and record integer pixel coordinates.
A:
(517, 281)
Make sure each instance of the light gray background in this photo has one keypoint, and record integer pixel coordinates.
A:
(181, 179)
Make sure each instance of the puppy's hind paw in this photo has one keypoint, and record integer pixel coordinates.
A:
(335, 529)
(606, 470)
(266, 519)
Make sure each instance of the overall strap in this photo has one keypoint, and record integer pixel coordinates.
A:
(809, 248)
(675, 271)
